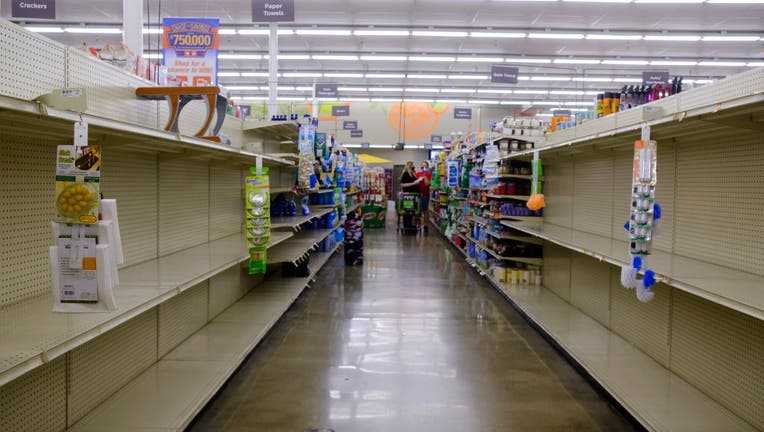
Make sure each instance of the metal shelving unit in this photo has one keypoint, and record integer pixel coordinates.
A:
(512, 197)
(294, 222)
(282, 131)
(301, 244)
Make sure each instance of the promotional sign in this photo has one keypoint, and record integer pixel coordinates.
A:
(326, 90)
(655, 77)
(358, 133)
(340, 110)
(463, 113)
(350, 125)
(272, 10)
(504, 74)
(41, 9)
(365, 145)
(436, 138)
(190, 50)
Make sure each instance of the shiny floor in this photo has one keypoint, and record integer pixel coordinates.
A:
(411, 341)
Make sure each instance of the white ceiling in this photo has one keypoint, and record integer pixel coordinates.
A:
(467, 15)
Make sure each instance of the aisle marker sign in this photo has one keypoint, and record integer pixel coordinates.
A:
(358, 133)
(190, 50)
(325, 90)
(504, 74)
(340, 110)
(436, 138)
(272, 10)
(350, 125)
(463, 113)
(40, 9)
(655, 77)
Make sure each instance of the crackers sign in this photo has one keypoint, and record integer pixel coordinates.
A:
(190, 50)
(41, 9)
(272, 10)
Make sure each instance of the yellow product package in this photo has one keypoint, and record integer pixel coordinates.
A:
(78, 178)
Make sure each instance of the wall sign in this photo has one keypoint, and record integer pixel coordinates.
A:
(655, 77)
(357, 133)
(325, 90)
(340, 110)
(272, 10)
(436, 138)
(190, 50)
(365, 145)
(504, 74)
(463, 113)
(42, 9)
(350, 125)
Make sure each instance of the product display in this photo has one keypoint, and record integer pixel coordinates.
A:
(258, 218)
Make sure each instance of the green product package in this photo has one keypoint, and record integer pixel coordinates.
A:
(258, 218)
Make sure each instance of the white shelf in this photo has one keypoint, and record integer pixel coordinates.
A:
(168, 395)
(58, 124)
(513, 197)
(728, 287)
(519, 218)
(510, 176)
(280, 130)
(277, 190)
(657, 398)
(529, 239)
(532, 261)
(302, 243)
(353, 193)
(353, 208)
(295, 221)
(33, 335)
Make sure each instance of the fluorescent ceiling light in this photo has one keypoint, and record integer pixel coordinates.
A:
(254, 98)
(612, 37)
(343, 75)
(301, 75)
(627, 80)
(282, 88)
(323, 32)
(385, 75)
(578, 103)
(497, 35)
(721, 63)
(672, 63)
(426, 76)
(550, 78)
(598, 1)
(383, 58)
(240, 56)
(421, 90)
(700, 81)
(285, 32)
(436, 33)
(386, 89)
(104, 30)
(510, 102)
(393, 100)
(159, 55)
(220, 74)
(468, 77)
(254, 74)
(303, 88)
(292, 98)
(673, 38)
(669, 2)
(243, 88)
(432, 58)
(626, 62)
(594, 92)
(545, 103)
(736, 1)
(576, 61)
(523, 78)
(253, 31)
(545, 115)
(293, 57)
(347, 99)
(352, 89)
(381, 32)
(419, 100)
(730, 38)
(37, 29)
(482, 102)
(555, 36)
(327, 99)
(568, 92)
(527, 60)
(480, 59)
(541, 92)
(497, 90)
(456, 101)
(455, 90)
(227, 31)
(334, 57)
(755, 64)
(592, 79)
(146, 30)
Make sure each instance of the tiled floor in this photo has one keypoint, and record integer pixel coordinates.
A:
(411, 341)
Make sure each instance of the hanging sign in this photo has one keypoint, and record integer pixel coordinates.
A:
(463, 113)
(436, 138)
(428, 146)
(561, 113)
(41, 9)
(190, 50)
(350, 125)
(272, 10)
(326, 90)
(340, 110)
(358, 133)
(655, 77)
(504, 74)
(365, 145)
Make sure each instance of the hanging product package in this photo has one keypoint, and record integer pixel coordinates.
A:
(536, 201)
(258, 218)
(453, 173)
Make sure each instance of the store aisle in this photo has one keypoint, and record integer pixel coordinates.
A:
(411, 341)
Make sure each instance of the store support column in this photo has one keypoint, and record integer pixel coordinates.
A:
(132, 25)
(273, 70)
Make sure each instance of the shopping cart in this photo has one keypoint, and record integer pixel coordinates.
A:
(409, 210)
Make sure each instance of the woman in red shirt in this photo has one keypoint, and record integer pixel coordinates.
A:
(424, 190)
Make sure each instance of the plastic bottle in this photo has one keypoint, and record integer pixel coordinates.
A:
(600, 105)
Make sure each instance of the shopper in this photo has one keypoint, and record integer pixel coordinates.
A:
(409, 185)
(409, 181)
(424, 190)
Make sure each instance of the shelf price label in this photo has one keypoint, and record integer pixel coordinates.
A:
(190, 50)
